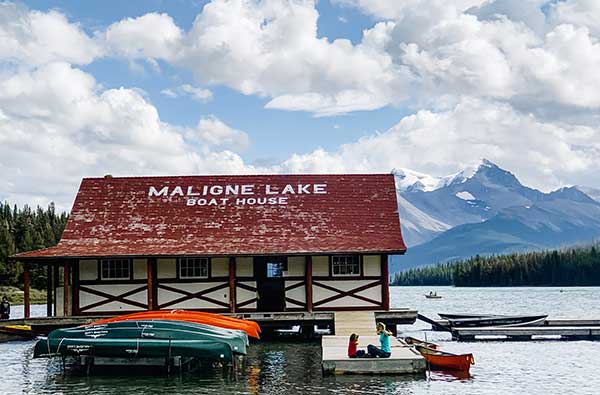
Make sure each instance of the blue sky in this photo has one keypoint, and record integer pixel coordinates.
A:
(296, 86)
(275, 134)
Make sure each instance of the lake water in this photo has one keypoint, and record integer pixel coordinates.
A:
(538, 367)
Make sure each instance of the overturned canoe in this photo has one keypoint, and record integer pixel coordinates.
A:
(250, 327)
(155, 338)
(504, 321)
(445, 360)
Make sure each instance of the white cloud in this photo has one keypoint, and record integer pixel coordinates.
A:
(212, 131)
(36, 38)
(196, 93)
(542, 154)
(50, 136)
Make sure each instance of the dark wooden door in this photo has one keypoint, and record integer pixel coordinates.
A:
(270, 283)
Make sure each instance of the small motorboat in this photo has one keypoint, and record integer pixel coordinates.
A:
(250, 327)
(433, 295)
(16, 332)
(504, 321)
(417, 342)
(445, 360)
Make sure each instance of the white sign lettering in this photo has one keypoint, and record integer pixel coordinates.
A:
(238, 195)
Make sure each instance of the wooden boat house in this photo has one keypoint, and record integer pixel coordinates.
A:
(237, 244)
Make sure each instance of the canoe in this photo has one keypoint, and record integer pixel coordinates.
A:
(461, 316)
(134, 348)
(158, 338)
(250, 327)
(414, 342)
(16, 332)
(445, 360)
(503, 321)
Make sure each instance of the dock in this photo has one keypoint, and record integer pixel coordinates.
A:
(404, 360)
(528, 333)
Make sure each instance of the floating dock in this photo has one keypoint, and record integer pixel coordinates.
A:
(404, 360)
(528, 333)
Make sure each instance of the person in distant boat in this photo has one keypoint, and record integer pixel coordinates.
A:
(4, 309)
(384, 339)
(352, 347)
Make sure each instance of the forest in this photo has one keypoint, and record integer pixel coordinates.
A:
(27, 229)
(562, 267)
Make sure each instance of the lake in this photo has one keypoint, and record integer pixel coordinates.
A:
(538, 367)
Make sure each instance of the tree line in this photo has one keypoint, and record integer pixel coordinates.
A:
(567, 267)
(27, 229)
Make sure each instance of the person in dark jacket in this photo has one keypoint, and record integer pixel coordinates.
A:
(4, 309)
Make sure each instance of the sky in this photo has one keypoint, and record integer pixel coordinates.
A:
(152, 87)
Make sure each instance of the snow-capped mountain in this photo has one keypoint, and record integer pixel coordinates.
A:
(484, 209)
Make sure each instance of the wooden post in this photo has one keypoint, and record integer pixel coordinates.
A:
(232, 296)
(26, 305)
(151, 266)
(55, 286)
(66, 276)
(309, 285)
(49, 290)
(385, 284)
(75, 288)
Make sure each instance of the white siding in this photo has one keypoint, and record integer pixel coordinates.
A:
(296, 266)
(320, 294)
(88, 299)
(244, 267)
(140, 269)
(298, 293)
(320, 265)
(167, 268)
(88, 269)
(242, 295)
(166, 296)
(220, 267)
(372, 265)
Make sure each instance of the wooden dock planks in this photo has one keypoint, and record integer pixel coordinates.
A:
(360, 322)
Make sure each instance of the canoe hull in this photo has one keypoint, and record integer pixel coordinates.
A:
(496, 321)
(446, 361)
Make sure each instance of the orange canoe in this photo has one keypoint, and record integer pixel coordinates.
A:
(221, 321)
(445, 360)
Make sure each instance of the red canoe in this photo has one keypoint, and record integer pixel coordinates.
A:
(445, 360)
(250, 327)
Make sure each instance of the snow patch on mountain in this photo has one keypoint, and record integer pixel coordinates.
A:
(417, 226)
(464, 195)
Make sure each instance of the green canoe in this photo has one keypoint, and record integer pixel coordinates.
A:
(146, 339)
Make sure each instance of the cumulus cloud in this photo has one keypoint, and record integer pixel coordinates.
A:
(196, 93)
(50, 136)
(212, 131)
(31, 38)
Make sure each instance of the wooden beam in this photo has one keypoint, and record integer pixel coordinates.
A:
(385, 285)
(55, 287)
(49, 290)
(66, 276)
(309, 284)
(232, 296)
(151, 268)
(75, 288)
(26, 304)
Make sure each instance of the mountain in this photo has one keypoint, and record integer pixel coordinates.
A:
(485, 210)
(472, 195)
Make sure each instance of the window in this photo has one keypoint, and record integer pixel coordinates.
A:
(345, 265)
(115, 269)
(193, 268)
(275, 269)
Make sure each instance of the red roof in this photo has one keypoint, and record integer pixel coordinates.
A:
(231, 215)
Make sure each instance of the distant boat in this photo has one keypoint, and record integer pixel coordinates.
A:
(417, 342)
(533, 320)
(445, 360)
(433, 296)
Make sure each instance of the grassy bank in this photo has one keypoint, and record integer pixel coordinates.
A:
(15, 295)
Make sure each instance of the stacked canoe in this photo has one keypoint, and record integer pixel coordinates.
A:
(149, 335)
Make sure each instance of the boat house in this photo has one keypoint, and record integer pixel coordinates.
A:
(231, 244)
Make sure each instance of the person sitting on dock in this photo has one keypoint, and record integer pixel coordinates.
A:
(384, 338)
(4, 309)
(352, 347)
